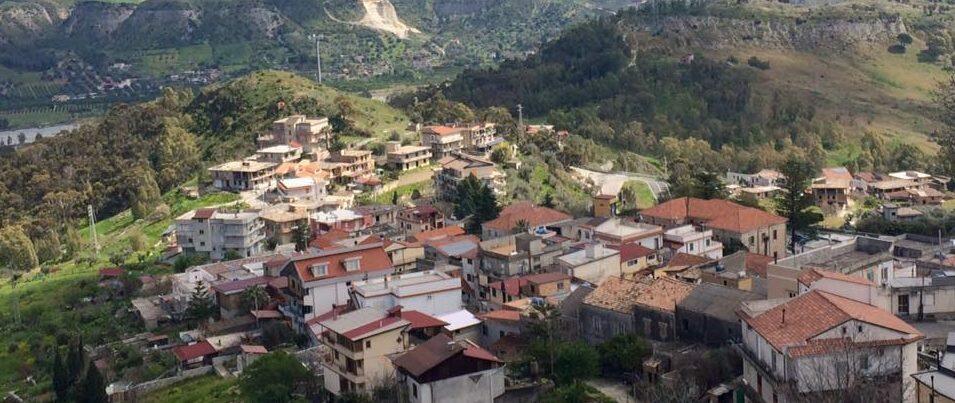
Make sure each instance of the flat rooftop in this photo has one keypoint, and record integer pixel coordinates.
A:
(243, 166)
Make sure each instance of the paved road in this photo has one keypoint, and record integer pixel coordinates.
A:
(610, 183)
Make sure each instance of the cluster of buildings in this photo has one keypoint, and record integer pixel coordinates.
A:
(402, 294)
(837, 189)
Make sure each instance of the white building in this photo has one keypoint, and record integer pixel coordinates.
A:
(444, 370)
(320, 281)
(219, 233)
(592, 264)
(820, 342)
(688, 239)
(431, 292)
(279, 154)
(301, 189)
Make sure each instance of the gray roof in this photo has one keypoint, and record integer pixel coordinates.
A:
(569, 305)
(716, 301)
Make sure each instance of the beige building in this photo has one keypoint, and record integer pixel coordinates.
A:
(346, 165)
(279, 154)
(403, 158)
(455, 168)
(443, 140)
(281, 221)
(311, 134)
(756, 230)
(243, 175)
(360, 344)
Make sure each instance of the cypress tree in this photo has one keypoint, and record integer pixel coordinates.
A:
(61, 379)
(93, 388)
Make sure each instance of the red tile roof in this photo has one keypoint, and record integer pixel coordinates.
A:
(444, 130)
(664, 293)
(812, 275)
(437, 350)
(193, 351)
(501, 314)
(204, 213)
(370, 327)
(815, 312)
(548, 277)
(448, 231)
(421, 320)
(533, 214)
(510, 285)
(111, 272)
(756, 264)
(632, 251)
(719, 214)
(686, 260)
(373, 258)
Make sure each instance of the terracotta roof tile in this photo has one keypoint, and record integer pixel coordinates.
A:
(193, 351)
(615, 294)
(812, 275)
(719, 214)
(687, 260)
(756, 264)
(421, 320)
(664, 293)
(533, 214)
(815, 312)
(452, 230)
(501, 314)
(632, 251)
(372, 258)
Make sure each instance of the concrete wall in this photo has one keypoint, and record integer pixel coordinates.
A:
(459, 389)
(598, 324)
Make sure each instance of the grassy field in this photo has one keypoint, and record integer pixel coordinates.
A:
(208, 388)
(56, 299)
(870, 90)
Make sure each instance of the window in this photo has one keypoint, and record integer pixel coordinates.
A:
(663, 330)
(759, 384)
(691, 247)
(859, 328)
(647, 326)
(560, 285)
(774, 235)
(414, 390)
(320, 269)
(752, 240)
(774, 360)
(367, 343)
(844, 331)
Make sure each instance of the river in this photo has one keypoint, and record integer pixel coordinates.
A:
(12, 137)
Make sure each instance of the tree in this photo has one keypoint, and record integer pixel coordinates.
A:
(201, 306)
(16, 249)
(93, 387)
(945, 99)
(905, 39)
(145, 194)
(793, 201)
(273, 378)
(75, 359)
(300, 236)
(275, 333)
(47, 247)
(548, 200)
(137, 241)
(177, 154)
(575, 361)
(61, 379)
(74, 242)
(254, 297)
(394, 198)
(624, 353)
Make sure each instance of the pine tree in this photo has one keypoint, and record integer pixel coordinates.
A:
(61, 379)
(93, 388)
(300, 236)
(201, 306)
(794, 202)
(485, 209)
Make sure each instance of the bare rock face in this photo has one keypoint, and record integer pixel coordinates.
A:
(96, 21)
(802, 35)
(22, 21)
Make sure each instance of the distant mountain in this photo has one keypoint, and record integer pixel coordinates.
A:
(363, 37)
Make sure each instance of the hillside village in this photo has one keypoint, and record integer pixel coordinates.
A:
(455, 292)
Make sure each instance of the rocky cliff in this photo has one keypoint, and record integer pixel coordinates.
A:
(711, 32)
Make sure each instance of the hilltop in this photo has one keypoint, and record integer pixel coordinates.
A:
(752, 80)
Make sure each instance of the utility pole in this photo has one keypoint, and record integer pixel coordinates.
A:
(92, 215)
(318, 55)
